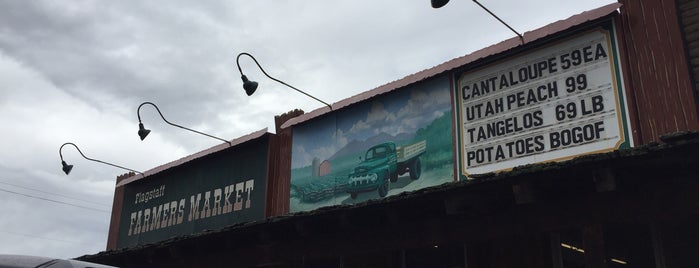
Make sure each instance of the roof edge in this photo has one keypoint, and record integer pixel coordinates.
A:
(214, 149)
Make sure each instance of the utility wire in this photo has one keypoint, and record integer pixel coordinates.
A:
(45, 238)
(51, 200)
(56, 194)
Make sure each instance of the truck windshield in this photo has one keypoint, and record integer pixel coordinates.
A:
(376, 152)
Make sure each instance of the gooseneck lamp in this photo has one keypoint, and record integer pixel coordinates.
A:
(143, 132)
(251, 86)
(67, 168)
(441, 3)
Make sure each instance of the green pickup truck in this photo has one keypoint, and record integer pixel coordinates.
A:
(383, 163)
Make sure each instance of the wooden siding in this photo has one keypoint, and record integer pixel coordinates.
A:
(689, 17)
(117, 206)
(279, 172)
(280, 176)
(656, 69)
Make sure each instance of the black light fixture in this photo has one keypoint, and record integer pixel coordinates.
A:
(143, 132)
(441, 3)
(67, 168)
(251, 86)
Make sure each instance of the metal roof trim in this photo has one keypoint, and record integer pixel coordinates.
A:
(214, 149)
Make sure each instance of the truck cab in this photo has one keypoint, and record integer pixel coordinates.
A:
(375, 170)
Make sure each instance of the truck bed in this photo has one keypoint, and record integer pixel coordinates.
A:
(405, 153)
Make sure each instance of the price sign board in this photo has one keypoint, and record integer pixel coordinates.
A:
(554, 103)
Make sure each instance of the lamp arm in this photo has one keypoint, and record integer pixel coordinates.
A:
(521, 38)
(94, 160)
(237, 61)
(138, 112)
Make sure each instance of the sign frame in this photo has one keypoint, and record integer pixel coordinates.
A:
(481, 151)
(210, 190)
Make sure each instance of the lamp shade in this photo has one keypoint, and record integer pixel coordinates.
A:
(439, 3)
(142, 131)
(249, 86)
(66, 168)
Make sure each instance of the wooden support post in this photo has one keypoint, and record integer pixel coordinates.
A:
(593, 244)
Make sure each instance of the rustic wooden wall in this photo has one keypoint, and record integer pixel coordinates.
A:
(689, 18)
(117, 206)
(279, 167)
(661, 91)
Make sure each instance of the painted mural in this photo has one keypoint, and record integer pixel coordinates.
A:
(392, 143)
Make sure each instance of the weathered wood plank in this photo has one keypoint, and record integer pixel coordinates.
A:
(658, 68)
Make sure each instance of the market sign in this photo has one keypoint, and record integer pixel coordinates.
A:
(554, 103)
(206, 193)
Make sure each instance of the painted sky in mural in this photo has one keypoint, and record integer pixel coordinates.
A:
(394, 114)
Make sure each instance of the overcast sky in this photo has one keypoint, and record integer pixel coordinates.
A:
(76, 71)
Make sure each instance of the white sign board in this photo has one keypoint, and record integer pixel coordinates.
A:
(554, 103)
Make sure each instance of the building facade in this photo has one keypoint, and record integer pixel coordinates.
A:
(571, 147)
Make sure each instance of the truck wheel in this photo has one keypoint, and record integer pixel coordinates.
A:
(394, 176)
(383, 188)
(353, 195)
(415, 169)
